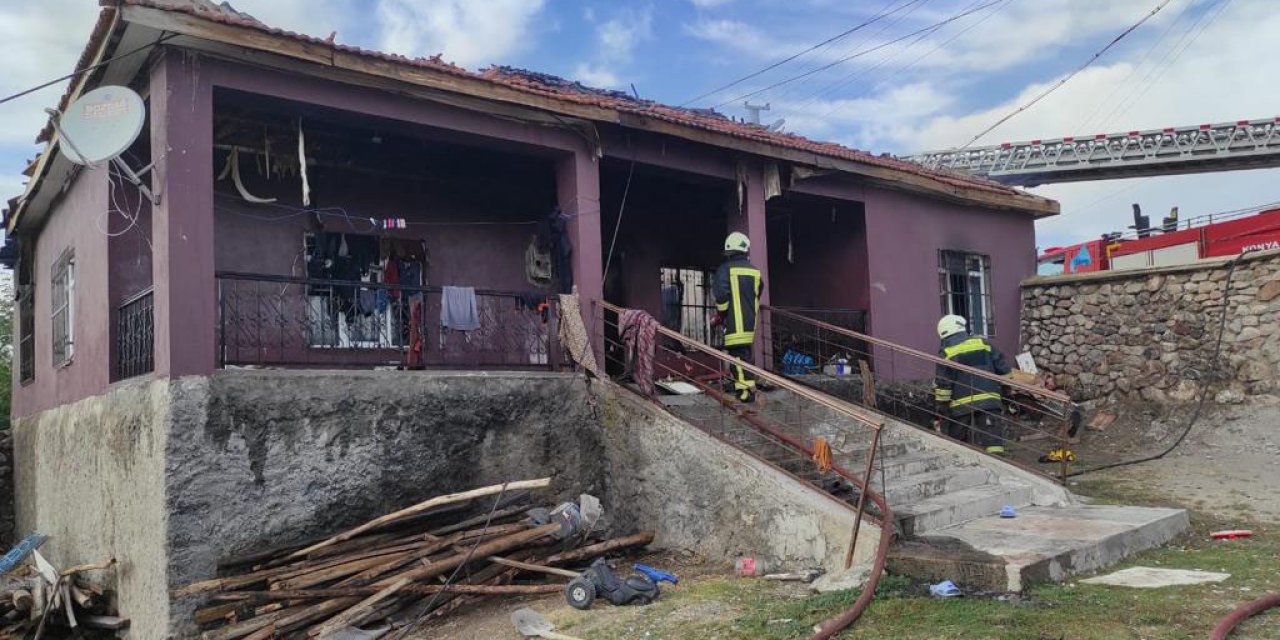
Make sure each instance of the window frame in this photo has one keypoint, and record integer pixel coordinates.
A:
(62, 309)
(697, 303)
(26, 334)
(975, 266)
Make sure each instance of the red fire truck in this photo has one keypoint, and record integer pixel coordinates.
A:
(1171, 243)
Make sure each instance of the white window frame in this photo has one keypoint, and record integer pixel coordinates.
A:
(983, 276)
(63, 308)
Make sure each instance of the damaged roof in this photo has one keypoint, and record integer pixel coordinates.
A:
(560, 90)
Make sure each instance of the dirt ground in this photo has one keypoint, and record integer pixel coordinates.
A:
(1228, 465)
(1224, 472)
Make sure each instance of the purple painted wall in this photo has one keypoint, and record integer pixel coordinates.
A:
(828, 269)
(74, 224)
(904, 235)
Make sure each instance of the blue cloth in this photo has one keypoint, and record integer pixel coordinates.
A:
(458, 309)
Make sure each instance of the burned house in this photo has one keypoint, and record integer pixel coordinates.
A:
(332, 211)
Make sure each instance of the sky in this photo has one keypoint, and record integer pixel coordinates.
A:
(879, 88)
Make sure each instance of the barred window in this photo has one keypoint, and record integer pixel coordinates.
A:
(965, 280)
(64, 307)
(27, 334)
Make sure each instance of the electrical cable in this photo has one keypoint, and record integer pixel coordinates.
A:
(89, 68)
(1204, 389)
(861, 53)
(1057, 85)
(470, 553)
(754, 74)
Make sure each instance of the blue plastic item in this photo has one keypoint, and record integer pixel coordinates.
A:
(657, 575)
(945, 589)
(1008, 512)
(20, 551)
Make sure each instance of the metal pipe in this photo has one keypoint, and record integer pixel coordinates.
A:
(862, 500)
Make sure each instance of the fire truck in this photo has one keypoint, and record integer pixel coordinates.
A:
(1172, 242)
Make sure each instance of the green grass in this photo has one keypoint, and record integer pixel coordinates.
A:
(731, 608)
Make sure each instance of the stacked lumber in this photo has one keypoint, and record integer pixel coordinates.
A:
(39, 601)
(401, 570)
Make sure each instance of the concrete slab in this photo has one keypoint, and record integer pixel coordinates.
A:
(959, 506)
(1051, 543)
(1153, 578)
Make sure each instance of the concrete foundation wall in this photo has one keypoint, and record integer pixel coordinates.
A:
(91, 476)
(169, 476)
(701, 494)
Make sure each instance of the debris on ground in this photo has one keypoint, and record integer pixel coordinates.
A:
(404, 569)
(531, 624)
(1232, 534)
(807, 576)
(38, 600)
(1152, 577)
(845, 580)
(944, 589)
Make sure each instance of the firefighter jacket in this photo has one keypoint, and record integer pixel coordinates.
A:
(964, 392)
(737, 287)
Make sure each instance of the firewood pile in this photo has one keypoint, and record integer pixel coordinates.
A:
(39, 601)
(395, 573)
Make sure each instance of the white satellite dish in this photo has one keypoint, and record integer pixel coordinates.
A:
(101, 125)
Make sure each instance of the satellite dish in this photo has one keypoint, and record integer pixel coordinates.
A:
(777, 124)
(101, 124)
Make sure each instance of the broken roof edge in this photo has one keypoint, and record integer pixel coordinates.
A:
(204, 20)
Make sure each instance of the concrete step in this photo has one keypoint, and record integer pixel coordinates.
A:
(913, 463)
(888, 451)
(909, 490)
(917, 518)
(1041, 544)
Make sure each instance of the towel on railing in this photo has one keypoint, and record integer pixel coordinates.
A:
(458, 309)
(639, 333)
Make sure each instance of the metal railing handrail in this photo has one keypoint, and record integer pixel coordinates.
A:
(265, 277)
(1008, 382)
(857, 413)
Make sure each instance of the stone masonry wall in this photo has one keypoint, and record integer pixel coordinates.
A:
(1150, 334)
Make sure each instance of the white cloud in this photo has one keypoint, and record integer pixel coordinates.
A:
(616, 42)
(595, 76)
(468, 33)
(709, 4)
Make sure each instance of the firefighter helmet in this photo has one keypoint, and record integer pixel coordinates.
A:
(950, 325)
(737, 242)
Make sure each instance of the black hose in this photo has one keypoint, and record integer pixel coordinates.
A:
(1204, 389)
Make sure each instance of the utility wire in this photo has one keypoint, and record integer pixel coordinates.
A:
(1057, 85)
(861, 53)
(87, 69)
(876, 18)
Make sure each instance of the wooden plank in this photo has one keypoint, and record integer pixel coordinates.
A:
(334, 573)
(541, 483)
(241, 598)
(353, 615)
(481, 551)
(525, 566)
(242, 629)
(111, 623)
(638, 540)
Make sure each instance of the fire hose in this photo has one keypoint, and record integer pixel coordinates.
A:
(1233, 619)
(829, 628)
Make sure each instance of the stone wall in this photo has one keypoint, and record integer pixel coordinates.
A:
(1150, 334)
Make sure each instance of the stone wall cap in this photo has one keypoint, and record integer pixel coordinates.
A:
(1208, 264)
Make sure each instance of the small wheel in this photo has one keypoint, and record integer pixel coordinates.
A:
(580, 593)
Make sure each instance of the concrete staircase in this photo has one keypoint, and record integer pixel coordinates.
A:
(947, 499)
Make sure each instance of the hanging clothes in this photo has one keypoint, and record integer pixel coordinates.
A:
(639, 334)
(458, 309)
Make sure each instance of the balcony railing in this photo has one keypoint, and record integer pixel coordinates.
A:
(268, 320)
(135, 337)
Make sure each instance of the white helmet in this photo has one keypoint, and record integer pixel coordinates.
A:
(950, 325)
(737, 242)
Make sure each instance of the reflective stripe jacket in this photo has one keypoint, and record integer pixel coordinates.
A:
(737, 288)
(962, 391)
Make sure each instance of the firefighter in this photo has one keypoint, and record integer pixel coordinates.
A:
(970, 403)
(737, 287)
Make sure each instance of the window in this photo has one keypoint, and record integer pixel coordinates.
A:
(965, 280)
(64, 308)
(26, 334)
(688, 304)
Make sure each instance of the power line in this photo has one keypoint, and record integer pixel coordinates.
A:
(876, 18)
(1068, 77)
(87, 69)
(861, 53)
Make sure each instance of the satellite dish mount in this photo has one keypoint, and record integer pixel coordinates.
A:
(101, 125)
